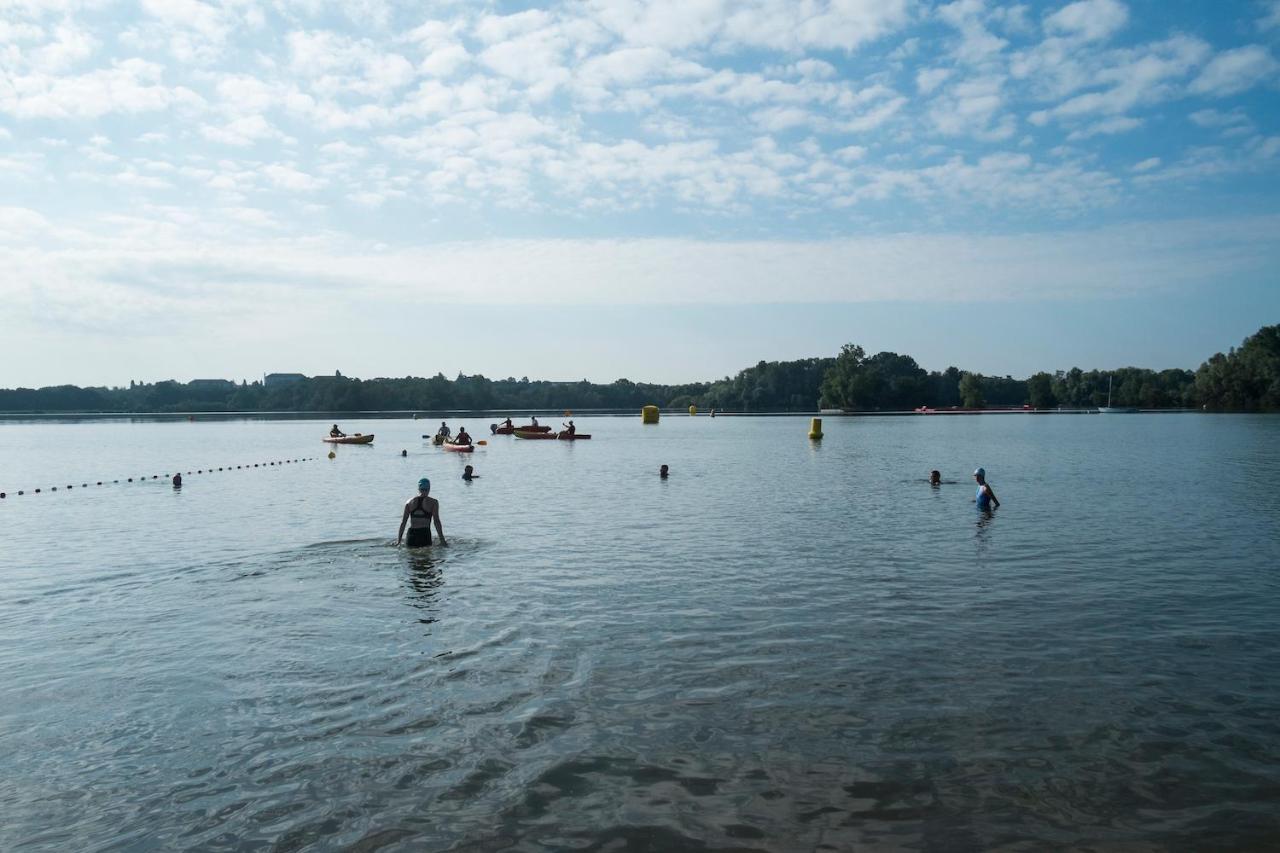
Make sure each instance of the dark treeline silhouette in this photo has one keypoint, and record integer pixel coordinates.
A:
(1245, 379)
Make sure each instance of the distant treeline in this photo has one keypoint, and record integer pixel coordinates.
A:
(1244, 379)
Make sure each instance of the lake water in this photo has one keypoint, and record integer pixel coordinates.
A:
(786, 646)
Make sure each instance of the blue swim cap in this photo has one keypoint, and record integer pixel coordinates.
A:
(981, 472)
(424, 485)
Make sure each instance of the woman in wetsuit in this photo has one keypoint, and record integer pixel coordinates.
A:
(419, 513)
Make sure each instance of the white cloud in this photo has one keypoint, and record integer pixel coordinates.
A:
(1106, 127)
(1146, 165)
(928, 79)
(125, 273)
(242, 131)
(287, 177)
(1091, 20)
(785, 25)
(1133, 78)
(1271, 15)
(70, 47)
(128, 86)
(972, 108)
(977, 44)
(1215, 118)
(1234, 71)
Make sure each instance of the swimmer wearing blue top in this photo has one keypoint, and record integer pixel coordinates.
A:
(986, 498)
(419, 513)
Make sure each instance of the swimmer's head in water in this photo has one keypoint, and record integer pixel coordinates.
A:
(424, 485)
(980, 473)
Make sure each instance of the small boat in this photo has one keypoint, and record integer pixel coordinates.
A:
(350, 439)
(510, 430)
(458, 448)
(521, 433)
(577, 436)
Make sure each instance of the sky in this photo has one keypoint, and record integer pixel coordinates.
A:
(664, 191)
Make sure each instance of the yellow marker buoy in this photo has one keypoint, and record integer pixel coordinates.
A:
(482, 443)
(693, 410)
(332, 455)
(815, 428)
(649, 415)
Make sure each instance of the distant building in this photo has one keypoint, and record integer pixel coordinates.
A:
(281, 379)
(211, 384)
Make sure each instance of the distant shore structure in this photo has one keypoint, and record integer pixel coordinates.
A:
(273, 379)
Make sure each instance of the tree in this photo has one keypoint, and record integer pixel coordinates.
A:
(846, 383)
(971, 391)
(1040, 391)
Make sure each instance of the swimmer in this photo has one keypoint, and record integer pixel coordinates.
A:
(404, 453)
(986, 497)
(419, 513)
(663, 471)
(469, 474)
(935, 478)
(336, 433)
(177, 481)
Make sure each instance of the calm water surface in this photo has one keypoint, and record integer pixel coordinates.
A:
(785, 646)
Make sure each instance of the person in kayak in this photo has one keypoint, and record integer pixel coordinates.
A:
(986, 498)
(336, 433)
(420, 512)
(508, 424)
(569, 427)
(533, 421)
(469, 473)
(444, 430)
(462, 437)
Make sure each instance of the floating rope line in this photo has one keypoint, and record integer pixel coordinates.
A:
(210, 470)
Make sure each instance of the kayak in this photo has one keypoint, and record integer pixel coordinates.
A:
(521, 433)
(458, 448)
(350, 439)
(506, 430)
(577, 436)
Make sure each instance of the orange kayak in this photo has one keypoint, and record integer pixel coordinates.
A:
(459, 448)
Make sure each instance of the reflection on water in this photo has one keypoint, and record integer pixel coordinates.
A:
(425, 579)
(780, 647)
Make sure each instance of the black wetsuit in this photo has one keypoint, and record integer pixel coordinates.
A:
(420, 536)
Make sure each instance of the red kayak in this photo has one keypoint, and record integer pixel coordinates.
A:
(459, 448)
(509, 430)
(522, 433)
(577, 436)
